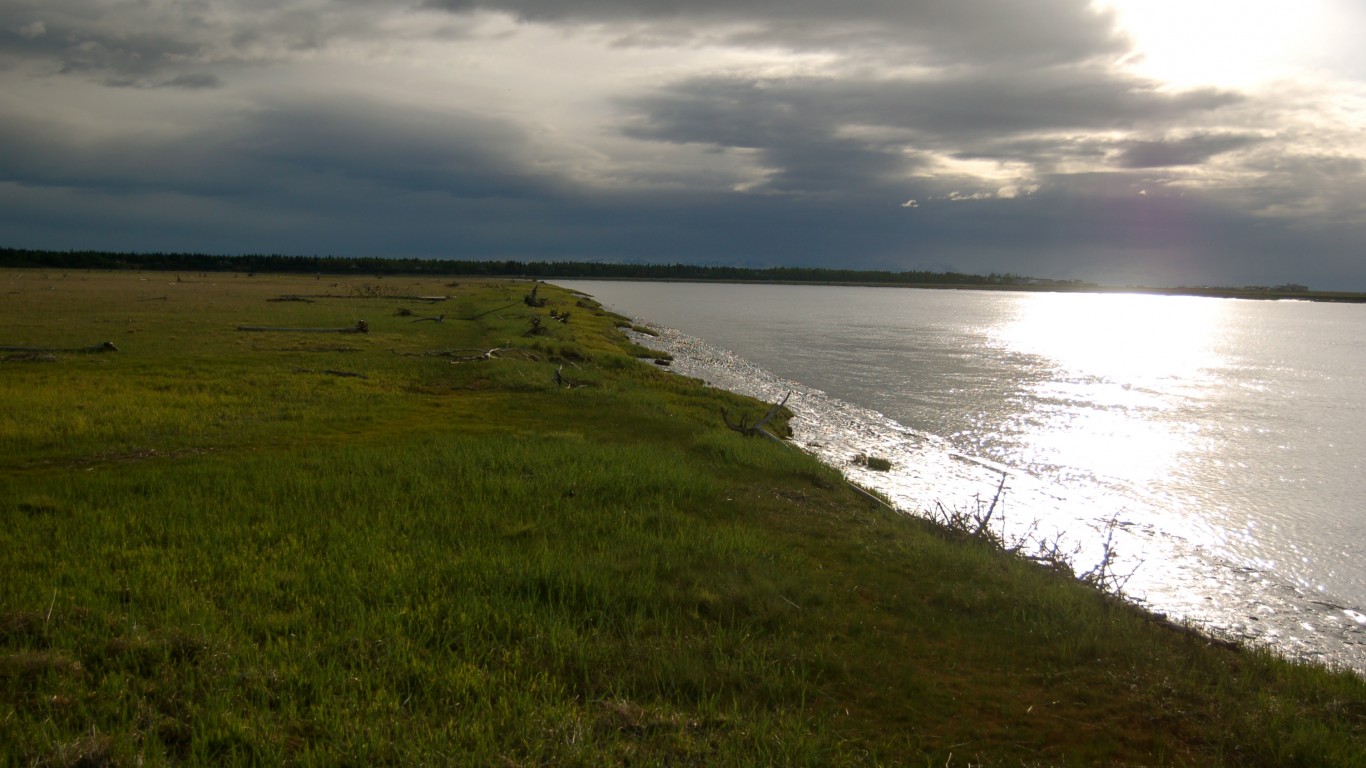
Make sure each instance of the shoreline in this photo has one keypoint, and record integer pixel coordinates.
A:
(925, 483)
(1250, 294)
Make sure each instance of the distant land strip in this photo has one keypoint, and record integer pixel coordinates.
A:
(595, 270)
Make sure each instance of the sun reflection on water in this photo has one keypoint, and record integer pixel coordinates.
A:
(1100, 360)
(1126, 338)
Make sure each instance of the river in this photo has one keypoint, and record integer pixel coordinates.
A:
(1220, 441)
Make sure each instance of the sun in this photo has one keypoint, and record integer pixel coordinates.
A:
(1224, 43)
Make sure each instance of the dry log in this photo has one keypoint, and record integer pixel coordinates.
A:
(304, 349)
(29, 357)
(329, 372)
(107, 346)
(360, 327)
(437, 319)
(397, 297)
(491, 311)
(468, 355)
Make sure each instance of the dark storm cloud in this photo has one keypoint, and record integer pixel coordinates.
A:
(458, 154)
(982, 30)
(77, 39)
(983, 135)
(192, 82)
(1192, 150)
(180, 45)
(801, 125)
(953, 109)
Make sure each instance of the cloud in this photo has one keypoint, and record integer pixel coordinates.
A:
(853, 136)
(991, 135)
(937, 31)
(272, 150)
(153, 45)
(1192, 150)
(193, 81)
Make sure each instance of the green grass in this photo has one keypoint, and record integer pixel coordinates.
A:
(215, 552)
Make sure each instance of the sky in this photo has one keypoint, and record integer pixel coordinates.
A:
(1154, 142)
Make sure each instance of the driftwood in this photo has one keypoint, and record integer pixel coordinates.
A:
(870, 495)
(532, 300)
(346, 374)
(490, 354)
(29, 357)
(437, 319)
(107, 346)
(311, 296)
(469, 355)
(304, 349)
(563, 381)
(360, 327)
(491, 311)
(757, 428)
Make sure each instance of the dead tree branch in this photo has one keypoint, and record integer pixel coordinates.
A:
(491, 354)
(1103, 575)
(747, 429)
(360, 327)
(991, 509)
(468, 355)
(563, 381)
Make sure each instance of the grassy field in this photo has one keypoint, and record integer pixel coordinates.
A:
(501, 539)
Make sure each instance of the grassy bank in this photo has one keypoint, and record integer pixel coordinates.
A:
(498, 538)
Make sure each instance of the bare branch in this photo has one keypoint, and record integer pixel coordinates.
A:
(744, 427)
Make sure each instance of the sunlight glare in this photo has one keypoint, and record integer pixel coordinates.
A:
(1222, 43)
(1124, 338)
(1111, 352)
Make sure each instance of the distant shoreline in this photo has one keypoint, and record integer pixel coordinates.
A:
(588, 270)
(1269, 294)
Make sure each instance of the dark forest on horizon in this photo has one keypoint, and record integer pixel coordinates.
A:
(584, 270)
(597, 270)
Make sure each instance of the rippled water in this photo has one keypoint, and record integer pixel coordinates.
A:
(1224, 437)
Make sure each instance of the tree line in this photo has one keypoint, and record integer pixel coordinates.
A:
(374, 265)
